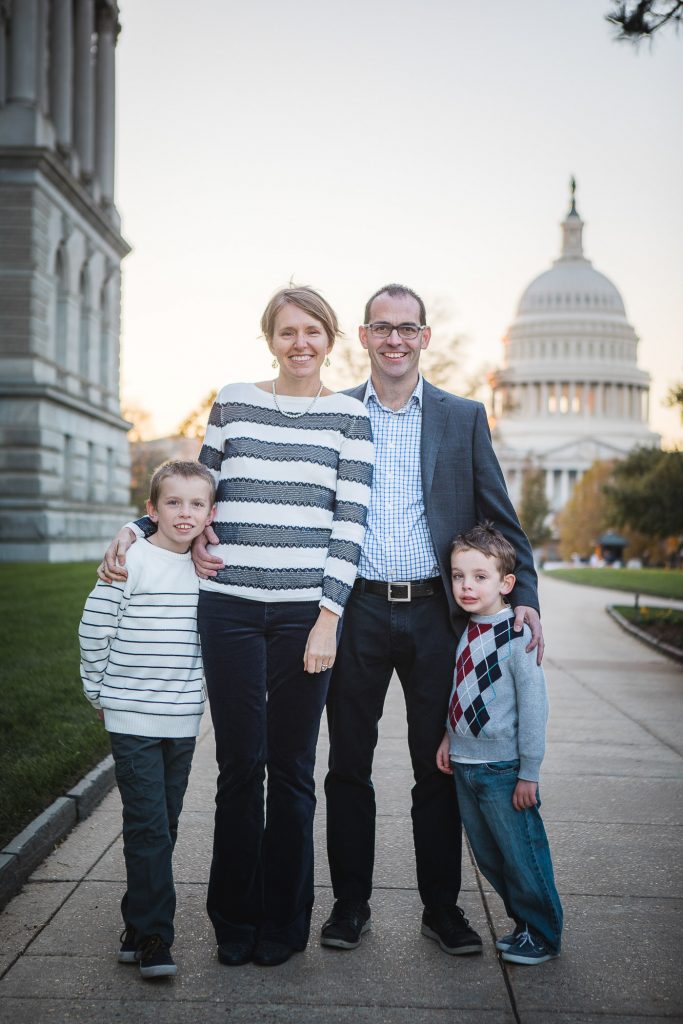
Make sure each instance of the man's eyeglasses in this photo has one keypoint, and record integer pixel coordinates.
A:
(384, 330)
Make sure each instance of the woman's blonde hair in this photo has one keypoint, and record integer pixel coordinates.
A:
(306, 299)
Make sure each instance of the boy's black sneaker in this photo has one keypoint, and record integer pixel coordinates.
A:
(349, 920)
(451, 929)
(155, 958)
(128, 953)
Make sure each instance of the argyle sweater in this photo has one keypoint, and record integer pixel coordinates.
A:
(292, 495)
(140, 657)
(499, 704)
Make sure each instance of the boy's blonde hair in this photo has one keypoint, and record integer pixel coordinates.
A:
(486, 538)
(187, 470)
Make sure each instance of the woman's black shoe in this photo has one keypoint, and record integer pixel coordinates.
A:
(269, 953)
(236, 952)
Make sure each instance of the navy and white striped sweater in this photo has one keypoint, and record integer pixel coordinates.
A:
(292, 495)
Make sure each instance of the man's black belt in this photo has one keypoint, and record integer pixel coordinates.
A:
(399, 590)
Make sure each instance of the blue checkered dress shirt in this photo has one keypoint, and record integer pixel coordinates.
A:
(397, 544)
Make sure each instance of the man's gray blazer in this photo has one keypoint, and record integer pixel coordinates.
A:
(462, 484)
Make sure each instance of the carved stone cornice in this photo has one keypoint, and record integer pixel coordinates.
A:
(46, 162)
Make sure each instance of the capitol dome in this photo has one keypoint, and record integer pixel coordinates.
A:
(572, 285)
(570, 390)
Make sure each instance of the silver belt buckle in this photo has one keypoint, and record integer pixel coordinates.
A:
(390, 596)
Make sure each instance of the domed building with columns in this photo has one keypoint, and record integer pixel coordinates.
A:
(64, 463)
(570, 390)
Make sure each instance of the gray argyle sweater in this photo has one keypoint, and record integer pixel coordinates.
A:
(499, 703)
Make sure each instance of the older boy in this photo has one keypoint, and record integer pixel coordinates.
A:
(142, 670)
(494, 745)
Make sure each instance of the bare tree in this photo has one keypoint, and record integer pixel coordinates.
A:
(194, 424)
(640, 19)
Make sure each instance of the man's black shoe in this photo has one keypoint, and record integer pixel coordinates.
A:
(451, 929)
(235, 952)
(345, 925)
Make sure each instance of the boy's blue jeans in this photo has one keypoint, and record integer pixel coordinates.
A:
(510, 847)
(152, 778)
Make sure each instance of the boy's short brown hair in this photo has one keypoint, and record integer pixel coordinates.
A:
(177, 467)
(486, 538)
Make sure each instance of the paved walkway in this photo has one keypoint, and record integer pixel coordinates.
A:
(611, 790)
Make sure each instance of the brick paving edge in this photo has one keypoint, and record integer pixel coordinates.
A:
(26, 851)
(668, 649)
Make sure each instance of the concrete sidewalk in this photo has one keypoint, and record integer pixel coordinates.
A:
(611, 788)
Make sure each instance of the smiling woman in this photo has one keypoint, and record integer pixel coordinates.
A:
(293, 467)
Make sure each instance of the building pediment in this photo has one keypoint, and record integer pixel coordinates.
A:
(587, 449)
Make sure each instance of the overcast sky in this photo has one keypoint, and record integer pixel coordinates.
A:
(348, 145)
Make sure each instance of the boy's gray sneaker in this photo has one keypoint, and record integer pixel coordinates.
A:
(128, 953)
(505, 941)
(528, 950)
(349, 920)
(451, 929)
(155, 958)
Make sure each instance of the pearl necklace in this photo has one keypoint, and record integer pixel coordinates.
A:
(296, 415)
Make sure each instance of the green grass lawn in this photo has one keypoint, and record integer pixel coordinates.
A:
(49, 734)
(655, 582)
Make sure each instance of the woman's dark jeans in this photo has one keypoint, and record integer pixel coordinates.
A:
(266, 714)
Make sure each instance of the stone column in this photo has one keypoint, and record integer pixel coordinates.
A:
(544, 398)
(558, 397)
(24, 52)
(43, 85)
(61, 71)
(104, 115)
(84, 107)
(571, 396)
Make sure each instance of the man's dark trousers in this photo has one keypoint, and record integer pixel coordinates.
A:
(415, 639)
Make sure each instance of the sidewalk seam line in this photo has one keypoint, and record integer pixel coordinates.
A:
(489, 921)
(57, 909)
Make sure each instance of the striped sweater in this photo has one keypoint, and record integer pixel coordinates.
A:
(292, 495)
(140, 656)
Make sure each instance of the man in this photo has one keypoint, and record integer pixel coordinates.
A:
(436, 475)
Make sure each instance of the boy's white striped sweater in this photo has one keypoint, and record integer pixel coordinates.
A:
(292, 495)
(140, 656)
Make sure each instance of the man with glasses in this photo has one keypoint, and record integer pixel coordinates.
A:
(436, 475)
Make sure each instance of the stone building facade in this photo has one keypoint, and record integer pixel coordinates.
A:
(570, 390)
(64, 463)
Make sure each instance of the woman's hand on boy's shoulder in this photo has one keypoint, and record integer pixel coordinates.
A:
(524, 613)
(112, 567)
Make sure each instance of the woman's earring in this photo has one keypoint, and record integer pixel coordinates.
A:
(327, 361)
(275, 364)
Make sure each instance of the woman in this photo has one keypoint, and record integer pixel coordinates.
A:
(293, 464)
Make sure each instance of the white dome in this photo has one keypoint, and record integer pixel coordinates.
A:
(571, 285)
(570, 390)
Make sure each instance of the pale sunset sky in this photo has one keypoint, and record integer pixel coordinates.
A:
(349, 145)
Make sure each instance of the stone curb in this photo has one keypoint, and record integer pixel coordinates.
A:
(668, 649)
(26, 851)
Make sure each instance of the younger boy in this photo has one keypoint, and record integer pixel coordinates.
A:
(494, 744)
(141, 667)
